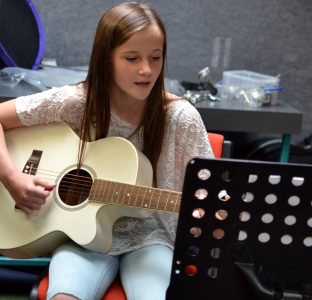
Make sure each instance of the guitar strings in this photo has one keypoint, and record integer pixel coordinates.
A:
(69, 181)
(55, 174)
(76, 185)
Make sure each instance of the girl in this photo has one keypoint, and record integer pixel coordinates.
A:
(123, 95)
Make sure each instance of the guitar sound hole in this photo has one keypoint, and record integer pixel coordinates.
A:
(75, 187)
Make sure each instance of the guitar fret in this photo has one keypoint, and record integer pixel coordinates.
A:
(144, 197)
(127, 195)
(170, 203)
(132, 197)
(153, 205)
(110, 187)
(139, 198)
(167, 200)
(121, 194)
(114, 192)
(109, 184)
(102, 189)
(145, 203)
(160, 203)
(107, 190)
(111, 192)
(99, 193)
(177, 203)
(131, 200)
(150, 194)
(118, 194)
(94, 191)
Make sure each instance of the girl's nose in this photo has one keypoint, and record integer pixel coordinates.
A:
(145, 68)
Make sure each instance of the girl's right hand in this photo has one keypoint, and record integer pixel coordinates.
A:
(28, 191)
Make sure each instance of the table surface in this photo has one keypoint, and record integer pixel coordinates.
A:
(234, 116)
(20, 89)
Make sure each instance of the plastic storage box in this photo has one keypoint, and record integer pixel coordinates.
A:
(253, 88)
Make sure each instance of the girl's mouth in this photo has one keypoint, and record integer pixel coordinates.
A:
(143, 84)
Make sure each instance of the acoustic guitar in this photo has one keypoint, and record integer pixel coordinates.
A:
(114, 181)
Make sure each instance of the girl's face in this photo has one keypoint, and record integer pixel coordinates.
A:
(137, 64)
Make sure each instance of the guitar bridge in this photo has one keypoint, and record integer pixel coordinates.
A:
(32, 163)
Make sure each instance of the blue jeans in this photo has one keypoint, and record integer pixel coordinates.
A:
(144, 273)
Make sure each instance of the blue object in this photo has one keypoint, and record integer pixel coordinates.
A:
(23, 45)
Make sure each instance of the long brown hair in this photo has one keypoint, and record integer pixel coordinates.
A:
(115, 27)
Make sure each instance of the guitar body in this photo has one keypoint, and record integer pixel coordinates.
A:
(88, 223)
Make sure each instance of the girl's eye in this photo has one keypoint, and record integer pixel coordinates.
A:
(131, 59)
(155, 58)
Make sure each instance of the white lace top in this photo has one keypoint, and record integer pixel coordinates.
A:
(185, 138)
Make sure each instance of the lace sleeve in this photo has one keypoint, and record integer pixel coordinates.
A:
(186, 138)
(191, 141)
(64, 104)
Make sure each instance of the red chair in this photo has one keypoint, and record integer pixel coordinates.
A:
(216, 141)
(115, 291)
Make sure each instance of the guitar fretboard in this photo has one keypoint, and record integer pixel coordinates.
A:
(116, 193)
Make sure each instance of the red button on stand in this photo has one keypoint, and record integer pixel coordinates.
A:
(190, 270)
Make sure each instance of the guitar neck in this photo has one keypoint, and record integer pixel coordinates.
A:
(110, 192)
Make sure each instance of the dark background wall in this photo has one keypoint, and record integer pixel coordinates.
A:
(267, 36)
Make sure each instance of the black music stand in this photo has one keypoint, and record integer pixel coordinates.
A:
(244, 232)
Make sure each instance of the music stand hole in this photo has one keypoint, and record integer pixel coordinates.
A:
(212, 272)
(293, 200)
(198, 213)
(291, 220)
(263, 237)
(218, 233)
(221, 214)
(204, 174)
(201, 194)
(297, 181)
(227, 176)
(286, 239)
(192, 250)
(309, 222)
(270, 199)
(196, 231)
(215, 253)
(267, 218)
(244, 216)
(307, 241)
(242, 235)
(252, 178)
(224, 196)
(274, 179)
(248, 197)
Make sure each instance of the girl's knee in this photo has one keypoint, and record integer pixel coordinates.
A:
(64, 297)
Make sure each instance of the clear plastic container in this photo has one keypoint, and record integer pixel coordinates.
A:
(253, 88)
